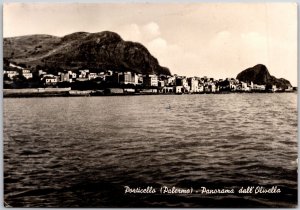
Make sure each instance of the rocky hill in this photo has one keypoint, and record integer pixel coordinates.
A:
(260, 75)
(94, 51)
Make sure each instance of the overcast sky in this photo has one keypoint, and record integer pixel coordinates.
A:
(194, 39)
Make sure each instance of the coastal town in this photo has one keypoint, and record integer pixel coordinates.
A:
(18, 80)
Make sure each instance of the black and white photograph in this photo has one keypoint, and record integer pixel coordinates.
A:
(147, 104)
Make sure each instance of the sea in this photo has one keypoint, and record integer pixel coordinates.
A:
(208, 150)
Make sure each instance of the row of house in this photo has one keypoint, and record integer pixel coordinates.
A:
(163, 83)
(108, 76)
(20, 71)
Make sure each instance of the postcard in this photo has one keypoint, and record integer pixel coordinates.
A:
(150, 105)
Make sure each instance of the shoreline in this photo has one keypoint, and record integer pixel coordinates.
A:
(67, 92)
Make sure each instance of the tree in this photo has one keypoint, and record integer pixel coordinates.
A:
(6, 77)
(6, 62)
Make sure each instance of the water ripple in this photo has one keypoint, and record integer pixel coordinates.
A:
(81, 152)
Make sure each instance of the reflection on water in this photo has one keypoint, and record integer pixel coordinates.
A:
(81, 152)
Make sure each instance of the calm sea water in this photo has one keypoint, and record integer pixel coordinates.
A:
(82, 151)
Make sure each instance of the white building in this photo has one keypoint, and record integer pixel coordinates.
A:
(201, 88)
(109, 72)
(11, 74)
(274, 88)
(47, 75)
(259, 87)
(171, 80)
(179, 89)
(68, 76)
(25, 71)
(194, 85)
(161, 83)
(92, 76)
(74, 75)
(41, 72)
(84, 73)
(27, 75)
(245, 87)
(50, 80)
(151, 80)
(128, 78)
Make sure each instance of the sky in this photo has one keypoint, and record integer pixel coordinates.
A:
(192, 39)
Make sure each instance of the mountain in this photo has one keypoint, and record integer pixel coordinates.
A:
(259, 74)
(95, 51)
